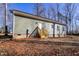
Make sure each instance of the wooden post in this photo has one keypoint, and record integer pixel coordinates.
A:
(27, 33)
(53, 29)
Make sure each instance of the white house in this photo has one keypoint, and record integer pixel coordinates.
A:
(24, 22)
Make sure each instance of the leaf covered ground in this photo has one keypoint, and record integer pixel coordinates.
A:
(37, 48)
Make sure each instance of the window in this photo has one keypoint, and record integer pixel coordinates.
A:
(52, 26)
(43, 25)
(58, 28)
(36, 22)
(63, 28)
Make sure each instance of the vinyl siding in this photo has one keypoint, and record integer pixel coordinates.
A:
(21, 24)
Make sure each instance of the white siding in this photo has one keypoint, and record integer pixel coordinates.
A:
(56, 30)
(60, 32)
(50, 29)
(21, 24)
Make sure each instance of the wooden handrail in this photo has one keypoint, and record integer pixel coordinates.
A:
(33, 31)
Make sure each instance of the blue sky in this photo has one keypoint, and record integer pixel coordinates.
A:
(25, 7)
(28, 7)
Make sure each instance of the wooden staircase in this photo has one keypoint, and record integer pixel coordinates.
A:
(39, 33)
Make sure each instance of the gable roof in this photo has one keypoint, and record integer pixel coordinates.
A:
(27, 15)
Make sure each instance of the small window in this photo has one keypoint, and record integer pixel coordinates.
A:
(43, 25)
(36, 22)
(52, 26)
(58, 28)
(63, 29)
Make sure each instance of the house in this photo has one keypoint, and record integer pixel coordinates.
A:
(24, 23)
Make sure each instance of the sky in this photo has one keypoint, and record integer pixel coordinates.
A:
(28, 7)
(25, 7)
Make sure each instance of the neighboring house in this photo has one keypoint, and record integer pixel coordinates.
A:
(23, 21)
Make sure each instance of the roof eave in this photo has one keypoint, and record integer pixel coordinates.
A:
(23, 14)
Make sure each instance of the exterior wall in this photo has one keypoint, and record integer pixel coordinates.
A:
(60, 30)
(50, 29)
(56, 31)
(21, 24)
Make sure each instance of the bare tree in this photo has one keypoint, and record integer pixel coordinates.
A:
(76, 26)
(51, 13)
(70, 10)
(57, 11)
(9, 21)
(2, 14)
(39, 9)
(48, 13)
